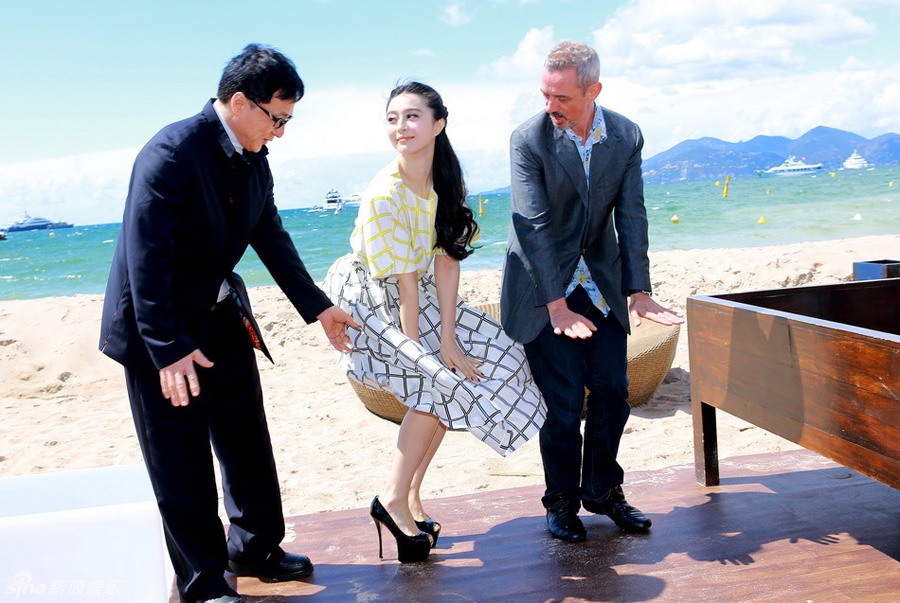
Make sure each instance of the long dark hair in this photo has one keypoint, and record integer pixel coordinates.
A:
(454, 222)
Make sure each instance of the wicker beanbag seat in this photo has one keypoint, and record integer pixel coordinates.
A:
(651, 351)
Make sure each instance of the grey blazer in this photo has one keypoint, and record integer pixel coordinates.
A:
(556, 218)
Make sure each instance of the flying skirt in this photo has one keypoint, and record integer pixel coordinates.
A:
(503, 410)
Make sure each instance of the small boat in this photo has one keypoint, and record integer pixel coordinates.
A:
(29, 223)
(333, 200)
(791, 167)
(2, 236)
(856, 161)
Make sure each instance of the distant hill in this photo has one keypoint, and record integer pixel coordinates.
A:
(714, 158)
(704, 158)
(497, 191)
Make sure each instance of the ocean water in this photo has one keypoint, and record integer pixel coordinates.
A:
(793, 209)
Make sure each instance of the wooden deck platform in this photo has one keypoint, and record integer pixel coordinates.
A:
(790, 526)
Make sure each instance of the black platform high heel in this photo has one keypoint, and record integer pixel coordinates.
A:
(432, 528)
(410, 549)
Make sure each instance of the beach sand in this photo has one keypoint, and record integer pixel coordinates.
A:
(64, 404)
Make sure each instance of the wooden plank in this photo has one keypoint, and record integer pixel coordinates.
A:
(788, 526)
(853, 409)
(865, 363)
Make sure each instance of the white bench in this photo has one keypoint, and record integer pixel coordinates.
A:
(87, 535)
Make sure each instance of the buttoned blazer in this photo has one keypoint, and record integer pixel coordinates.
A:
(194, 205)
(557, 218)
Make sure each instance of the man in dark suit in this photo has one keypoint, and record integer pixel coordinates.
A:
(179, 320)
(577, 249)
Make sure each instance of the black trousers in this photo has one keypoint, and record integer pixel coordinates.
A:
(577, 466)
(175, 442)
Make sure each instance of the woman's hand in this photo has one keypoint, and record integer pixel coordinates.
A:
(458, 362)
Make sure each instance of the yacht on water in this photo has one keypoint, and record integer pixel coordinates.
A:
(29, 223)
(855, 161)
(333, 200)
(791, 167)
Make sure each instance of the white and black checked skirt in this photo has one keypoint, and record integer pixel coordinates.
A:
(504, 410)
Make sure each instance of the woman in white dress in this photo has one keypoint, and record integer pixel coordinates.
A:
(451, 364)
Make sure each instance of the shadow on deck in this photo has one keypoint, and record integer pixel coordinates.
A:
(789, 526)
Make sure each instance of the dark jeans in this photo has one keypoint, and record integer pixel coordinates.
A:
(175, 442)
(562, 368)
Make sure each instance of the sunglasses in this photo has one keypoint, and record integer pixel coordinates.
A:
(278, 121)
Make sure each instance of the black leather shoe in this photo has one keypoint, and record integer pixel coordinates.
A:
(563, 521)
(628, 518)
(224, 599)
(277, 567)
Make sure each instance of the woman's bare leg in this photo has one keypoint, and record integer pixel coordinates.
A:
(417, 434)
(415, 499)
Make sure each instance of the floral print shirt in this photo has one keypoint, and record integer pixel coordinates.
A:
(582, 275)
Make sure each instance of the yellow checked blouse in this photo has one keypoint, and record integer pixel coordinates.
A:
(394, 230)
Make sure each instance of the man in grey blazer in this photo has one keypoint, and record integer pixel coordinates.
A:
(577, 250)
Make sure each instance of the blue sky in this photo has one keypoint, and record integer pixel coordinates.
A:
(87, 83)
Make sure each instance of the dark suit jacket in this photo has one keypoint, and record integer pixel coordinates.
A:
(194, 205)
(556, 219)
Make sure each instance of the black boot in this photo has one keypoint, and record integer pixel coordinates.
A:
(614, 505)
(562, 518)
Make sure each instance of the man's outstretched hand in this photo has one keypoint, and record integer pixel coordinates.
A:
(644, 306)
(335, 322)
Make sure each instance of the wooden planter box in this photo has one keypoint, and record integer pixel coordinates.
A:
(819, 366)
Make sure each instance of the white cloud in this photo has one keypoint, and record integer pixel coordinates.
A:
(455, 15)
(662, 42)
(336, 138)
(691, 69)
(482, 119)
(528, 59)
(85, 189)
(861, 100)
(335, 121)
